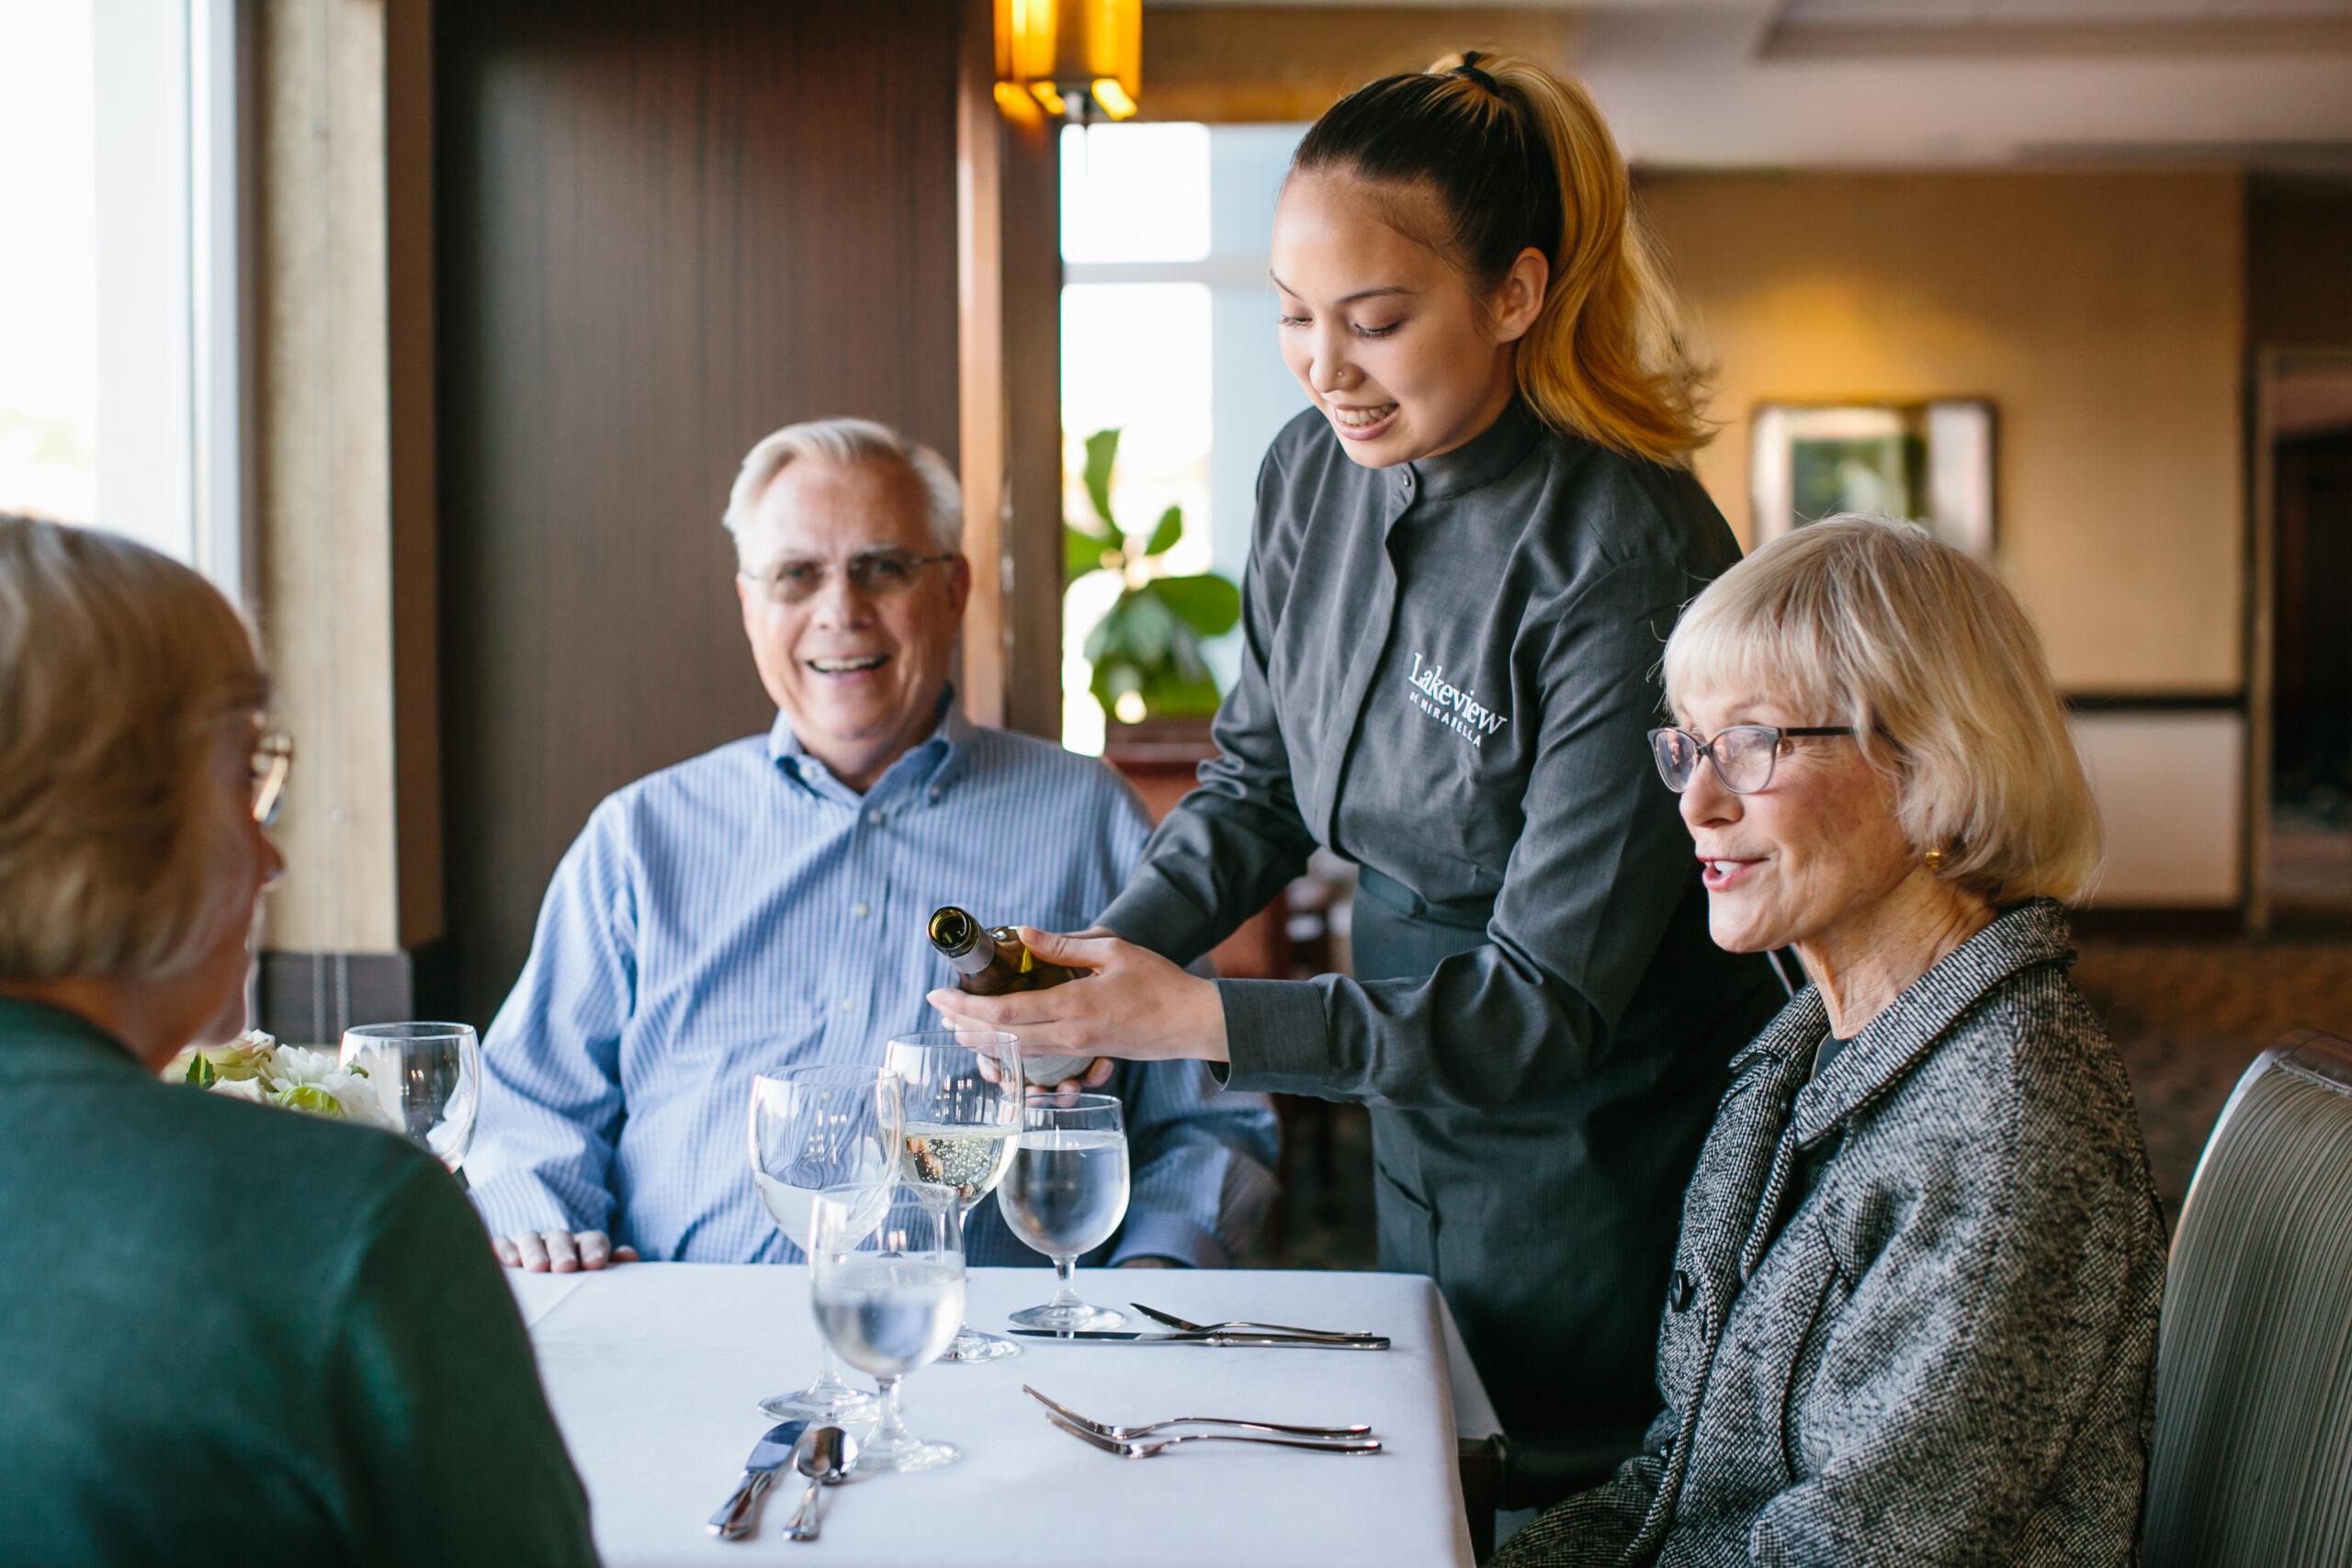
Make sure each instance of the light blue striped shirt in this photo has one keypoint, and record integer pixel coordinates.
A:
(745, 910)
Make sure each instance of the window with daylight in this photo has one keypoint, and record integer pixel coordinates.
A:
(1167, 337)
(118, 282)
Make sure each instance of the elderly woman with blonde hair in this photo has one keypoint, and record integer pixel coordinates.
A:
(1913, 1312)
(234, 1333)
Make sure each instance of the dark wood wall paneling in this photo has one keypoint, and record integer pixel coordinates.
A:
(662, 230)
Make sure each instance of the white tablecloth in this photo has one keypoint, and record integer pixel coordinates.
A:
(653, 1371)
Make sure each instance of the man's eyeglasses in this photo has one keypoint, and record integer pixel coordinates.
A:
(273, 759)
(875, 574)
(1743, 755)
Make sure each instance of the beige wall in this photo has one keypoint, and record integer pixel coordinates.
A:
(2102, 315)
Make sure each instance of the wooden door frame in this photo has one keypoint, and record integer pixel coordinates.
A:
(2262, 600)
(1009, 276)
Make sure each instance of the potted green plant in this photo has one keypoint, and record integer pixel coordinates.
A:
(1146, 650)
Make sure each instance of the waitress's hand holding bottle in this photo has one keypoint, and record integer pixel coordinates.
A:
(1135, 1006)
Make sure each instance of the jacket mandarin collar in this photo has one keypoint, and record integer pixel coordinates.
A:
(2032, 934)
(1484, 458)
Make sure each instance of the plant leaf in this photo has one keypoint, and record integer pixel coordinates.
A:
(1101, 451)
(1172, 695)
(1106, 638)
(1082, 552)
(1113, 679)
(1151, 628)
(1208, 603)
(1171, 529)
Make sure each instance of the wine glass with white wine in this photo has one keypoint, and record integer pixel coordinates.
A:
(962, 1097)
(812, 1128)
(886, 1283)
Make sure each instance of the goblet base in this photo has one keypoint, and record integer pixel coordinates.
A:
(844, 1408)
(904, 1454)
(971, 1345)
(1064, 1317)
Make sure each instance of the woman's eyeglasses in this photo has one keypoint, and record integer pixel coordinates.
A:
(1742, 754)
(875, 574)
(273, 759)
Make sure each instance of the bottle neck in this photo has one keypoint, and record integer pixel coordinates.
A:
(975, 958)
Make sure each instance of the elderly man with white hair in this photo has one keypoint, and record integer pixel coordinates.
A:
(765, 904)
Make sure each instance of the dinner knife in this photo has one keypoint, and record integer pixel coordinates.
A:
(1221, 1338)
(769, 1455)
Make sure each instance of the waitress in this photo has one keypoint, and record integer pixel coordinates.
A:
(1467, 556)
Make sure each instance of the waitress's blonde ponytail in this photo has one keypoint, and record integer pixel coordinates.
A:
(1520, 158)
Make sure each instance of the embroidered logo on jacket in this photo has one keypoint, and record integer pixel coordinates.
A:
(1450, 705)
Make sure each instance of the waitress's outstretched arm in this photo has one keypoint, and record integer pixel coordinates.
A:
(1598, 870)
(1233, 843)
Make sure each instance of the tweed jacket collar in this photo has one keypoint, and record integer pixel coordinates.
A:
(2032, 934)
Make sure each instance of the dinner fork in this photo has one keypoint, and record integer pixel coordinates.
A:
(1248, 1325)
(1123, 1434)
(1130, 1449)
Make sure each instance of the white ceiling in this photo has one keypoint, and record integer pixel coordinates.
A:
(1726, 84)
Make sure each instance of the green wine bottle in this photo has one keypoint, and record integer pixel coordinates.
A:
(992, 961)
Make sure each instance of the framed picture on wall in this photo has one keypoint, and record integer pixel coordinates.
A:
(1931, 463)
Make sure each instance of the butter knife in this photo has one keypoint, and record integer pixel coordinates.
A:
(770, 1454)
(1220, 1337)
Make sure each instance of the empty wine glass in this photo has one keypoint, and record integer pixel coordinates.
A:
(426, 1078)
(886, 1282)
(1065, 1194)
(962, 1091)
(814, 1128)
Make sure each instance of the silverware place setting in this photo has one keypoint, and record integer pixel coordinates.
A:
(1249, 1325)
(736, 1516)
(826, 1456)
(1130, 1442)
(1217, 1337)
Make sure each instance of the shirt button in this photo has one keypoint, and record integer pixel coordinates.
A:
(848, 1002)
(861, 910)
(875, 818)
(1679, 1295)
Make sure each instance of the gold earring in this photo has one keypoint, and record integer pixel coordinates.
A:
(1934, 859)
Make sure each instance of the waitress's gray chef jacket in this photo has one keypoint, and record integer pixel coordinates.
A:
(1450, 668)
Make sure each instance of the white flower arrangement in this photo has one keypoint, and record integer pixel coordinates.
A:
(255, 1067)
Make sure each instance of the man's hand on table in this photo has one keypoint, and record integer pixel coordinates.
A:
(560, 1252)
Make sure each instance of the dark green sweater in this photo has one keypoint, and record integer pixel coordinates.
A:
(230, 1333)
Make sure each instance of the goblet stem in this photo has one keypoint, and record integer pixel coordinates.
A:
(1065, 1293)
(894, 1421)
(829, 1384)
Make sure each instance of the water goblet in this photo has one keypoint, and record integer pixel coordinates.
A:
(1066, 1192)
(886, 1283)
(426, 1077)
(812, 1128)
(962, 1097)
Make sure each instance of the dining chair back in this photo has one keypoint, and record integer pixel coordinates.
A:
(2252, 1458)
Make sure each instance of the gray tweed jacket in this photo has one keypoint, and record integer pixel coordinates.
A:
(1913, 1317)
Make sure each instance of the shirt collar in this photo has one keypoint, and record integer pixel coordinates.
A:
(929, 761)
(1485, 458)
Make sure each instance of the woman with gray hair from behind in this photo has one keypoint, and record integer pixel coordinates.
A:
(1913, 1313)
(233, 1333)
